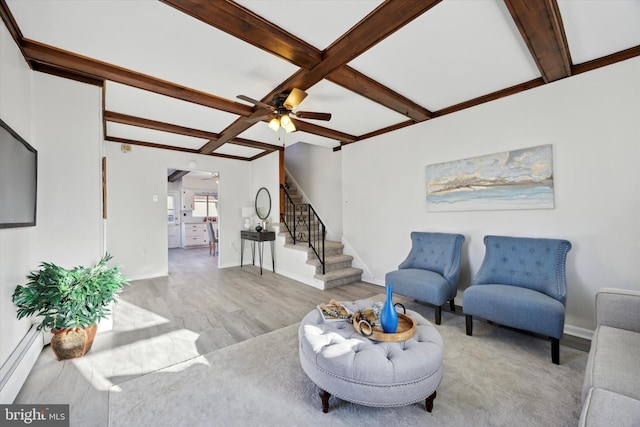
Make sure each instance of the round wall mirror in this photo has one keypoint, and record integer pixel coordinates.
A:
(263, 203)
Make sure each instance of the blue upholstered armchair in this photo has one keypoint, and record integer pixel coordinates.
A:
(521, 284)
(431, 271)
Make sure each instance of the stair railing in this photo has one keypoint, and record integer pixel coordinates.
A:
(304, 225)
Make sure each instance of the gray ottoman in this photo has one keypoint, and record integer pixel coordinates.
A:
(354, 368)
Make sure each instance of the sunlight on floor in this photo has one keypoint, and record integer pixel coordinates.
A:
(106, 368)
(131, 317)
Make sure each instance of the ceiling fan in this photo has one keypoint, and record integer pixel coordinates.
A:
(281, 110)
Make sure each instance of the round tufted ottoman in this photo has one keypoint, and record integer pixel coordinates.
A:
(354, 368)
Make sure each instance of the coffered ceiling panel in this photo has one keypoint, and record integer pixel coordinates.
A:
(148, 105)
(237, 150)
(318, 23)
(457, 51)
(172, 70)
(135, 133)
(597, 28)
(154, 39)
(346, 106)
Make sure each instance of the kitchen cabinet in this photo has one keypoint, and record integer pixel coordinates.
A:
(187, 200)
(173, 235)
(194, 234)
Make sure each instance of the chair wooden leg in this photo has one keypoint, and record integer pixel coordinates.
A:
(429, 401)
(452, 305)
(210, 247)
(469, 321)
(324, 396)
(555, 350)
(438, 315)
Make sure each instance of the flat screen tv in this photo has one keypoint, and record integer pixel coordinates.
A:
(18, 180)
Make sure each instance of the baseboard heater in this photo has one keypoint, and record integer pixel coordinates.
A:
(15, 370)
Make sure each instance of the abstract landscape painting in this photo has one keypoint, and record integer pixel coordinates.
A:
(518, 179)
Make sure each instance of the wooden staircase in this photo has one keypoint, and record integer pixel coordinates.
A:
(338, 269)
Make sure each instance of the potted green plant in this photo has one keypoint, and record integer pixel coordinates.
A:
(70, 303)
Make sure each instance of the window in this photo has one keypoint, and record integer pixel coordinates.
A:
(205, 205)
(171, 209)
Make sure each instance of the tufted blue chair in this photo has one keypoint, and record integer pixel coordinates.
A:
(521, 284)
(431, 271)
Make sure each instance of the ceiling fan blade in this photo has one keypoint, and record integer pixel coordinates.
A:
(254, 101)
(312, 115)
(296, 96)
(259, 118)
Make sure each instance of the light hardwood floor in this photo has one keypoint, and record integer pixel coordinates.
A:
(158, 322)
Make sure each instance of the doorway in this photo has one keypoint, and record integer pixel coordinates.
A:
(193, 206)
(173, 219)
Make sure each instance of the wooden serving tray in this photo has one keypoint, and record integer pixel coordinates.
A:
(406, 328)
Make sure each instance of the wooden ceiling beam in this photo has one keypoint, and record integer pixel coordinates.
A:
(245, 25)
(176, 175)
(241, 23)
(357, 82)
(623, 55)
(323, 131)
(65, 60)
(125, 119)
(167, 147)
(229, 133)
(10, 22)
(540, 25)
(491, 97)
(65, 73)
(255, 144)
(385, 20)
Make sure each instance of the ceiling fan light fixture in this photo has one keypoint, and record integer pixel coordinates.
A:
(287, 124)
(274, 124)
(294, 99)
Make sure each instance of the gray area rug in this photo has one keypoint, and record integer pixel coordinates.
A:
(497, 377)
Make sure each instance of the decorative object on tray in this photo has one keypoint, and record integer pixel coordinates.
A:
(258, 228)
(389, 315)
(334, 311)
(366, 324)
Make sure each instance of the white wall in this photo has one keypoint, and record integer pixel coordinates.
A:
(265, 173)
(61, 119)
(15, 243)
(136, 227)
(591, 121)
(318, 171)
(68, 128)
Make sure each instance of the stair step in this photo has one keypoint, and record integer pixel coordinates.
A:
(331, 263)
(338, 269)
(301, 246)
(331, 248)
(340, 277)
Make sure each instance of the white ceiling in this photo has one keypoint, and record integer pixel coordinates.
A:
(454, 52)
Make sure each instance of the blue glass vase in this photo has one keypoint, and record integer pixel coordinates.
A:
(389, 315)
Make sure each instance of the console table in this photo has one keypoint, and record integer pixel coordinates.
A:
(259, 238)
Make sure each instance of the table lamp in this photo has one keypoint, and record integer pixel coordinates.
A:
(247, 213)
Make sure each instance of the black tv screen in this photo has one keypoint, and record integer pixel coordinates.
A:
(18, 180)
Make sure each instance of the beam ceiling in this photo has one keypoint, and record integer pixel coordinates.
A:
(539, 23)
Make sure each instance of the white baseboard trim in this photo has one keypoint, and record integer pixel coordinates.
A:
(315, 283)
(575, 331)
(15, 370)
